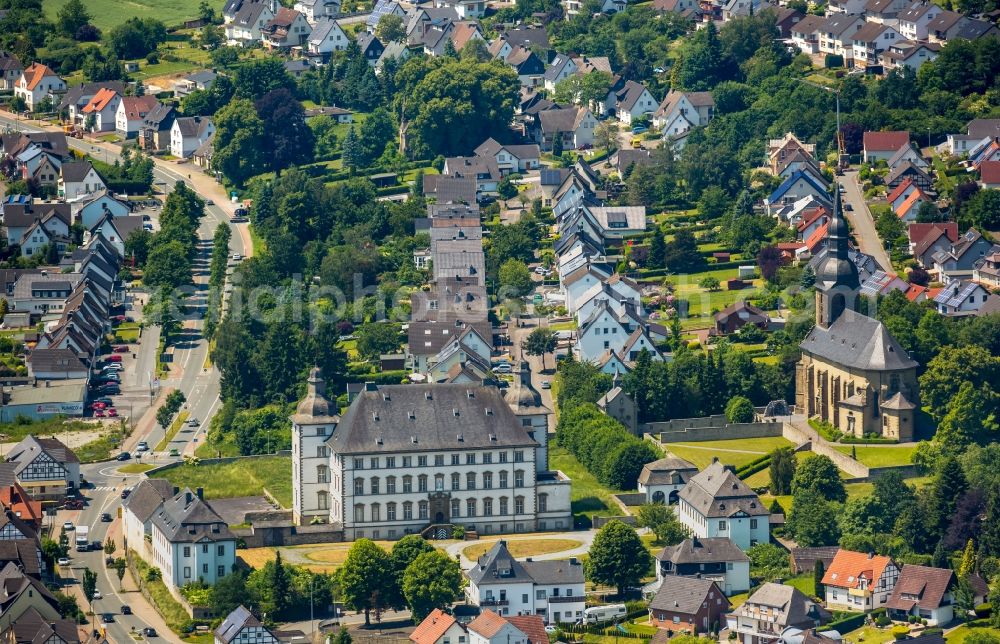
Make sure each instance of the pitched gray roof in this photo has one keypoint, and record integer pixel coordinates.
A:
(793, 607)
(683, 595)
(411, 418)
(147, 496)
(662, 471)
(703, 550)
(185, 518)
(498, 567)
(857, 341)
(716, 491)
(235, 622)
(28, 449)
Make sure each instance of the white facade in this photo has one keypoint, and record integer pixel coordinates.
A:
(93, 211)
(37, 82)
(183, 146)
(206, 556)
(92, 182)
(602, 333)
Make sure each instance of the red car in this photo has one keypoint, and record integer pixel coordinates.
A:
(112, 412)
(113, 358)
(99, 413)
(121, 348)
(98, 405)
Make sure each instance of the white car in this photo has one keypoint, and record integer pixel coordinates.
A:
(97, 594)
(142, 446)
(62, 561)
(68, 526)
(237, 257)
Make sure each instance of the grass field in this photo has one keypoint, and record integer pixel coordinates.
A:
(880, 456)
(100, 449)
(869, 635)
(731, 452)
(127, 332)
(108, 13)
(57, 427)
(245, 477)
(523, 547)
(588, 496)
(982, 626)
(135, 468)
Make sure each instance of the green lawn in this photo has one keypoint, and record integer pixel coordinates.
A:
(172, 431)
(245, 477)
(731, 452)
(958, 635)
(108, 13)
(880, 456)
(127, 332)
(100, 449)
(588, 496)
(869, 635)
(805, 584)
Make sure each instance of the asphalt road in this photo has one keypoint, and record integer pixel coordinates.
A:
(189, 375)
(861, 220)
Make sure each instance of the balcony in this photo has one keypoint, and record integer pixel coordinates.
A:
(489, 601)
(566, 600)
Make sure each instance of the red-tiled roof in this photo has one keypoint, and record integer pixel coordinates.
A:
(816, 237)
(848, 568)
(35, 73)
(100, 100)
(432, 628)
(914, 292)
(810, 216)
(899, 190)
(909, 202)
(487, 624)
(532, 626)
(989, 172)
(885, 141)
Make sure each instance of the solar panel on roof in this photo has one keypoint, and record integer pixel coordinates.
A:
(550, 177)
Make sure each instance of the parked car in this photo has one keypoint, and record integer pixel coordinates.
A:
(104, 401)
(639, 129)
(209, 202)
(126, 492)
(174, 452)
(114, 366)
(121, 348)
(100, 413)
(98, 405)
(62, 561)
(97, 594)
(112, 412)
(107, 618)
(237, 257)
(105, 517)
(149, 631)
(503, 368)
(113, 358)
(110, 390)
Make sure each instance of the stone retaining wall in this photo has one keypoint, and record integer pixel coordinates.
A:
(710, 428)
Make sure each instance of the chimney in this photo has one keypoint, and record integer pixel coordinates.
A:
(871, 555)
(177, 490)
(187, 498)
(371, 386)
(201, 493)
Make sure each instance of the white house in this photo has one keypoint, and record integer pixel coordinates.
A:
(189, 132)
(327, 37)
(316, 10)
(491, 628)
(859, 581)
(288, 28)
(246, 27)
(579, 281)
(662, 480)
(716, 503)
(439, 627)
(633, 101)
(132, 111)
(619, 293)
(38, 81)
(553, 589)
(242, 627)
(960, 298)
(116, 230)
(405, 458)
(465, 9)
(138, 510)
(924, 592)
(190, 541)
(90, 210)
(717, 559)
(103, 107)
(575, 125)
(684, 110)
(510, 158)
(837, 32)
(913, 21)
(561, 67)
(78, 179)
(601, 332)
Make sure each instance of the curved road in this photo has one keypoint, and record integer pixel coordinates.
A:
(188, 374)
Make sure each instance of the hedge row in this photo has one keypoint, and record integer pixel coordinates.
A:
(854, 622)
(756, 465)
(604, 446)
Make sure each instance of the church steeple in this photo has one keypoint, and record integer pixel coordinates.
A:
(837, 281)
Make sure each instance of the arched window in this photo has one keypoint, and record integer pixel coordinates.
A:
(470, 481)
(543, 502)
(323, 500)
(837, 306)
(470, 508)
(390, 511)
(487, 480)
(674, 497)
(659, 497)
(390, 485)
(359, 513)
(375, 485)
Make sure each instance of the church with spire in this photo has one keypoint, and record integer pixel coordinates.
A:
(853, 374)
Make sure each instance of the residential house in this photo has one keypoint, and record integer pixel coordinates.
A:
(924, 593)
(960, 298)
(798, 185)
(71, 103)
(190, 541)
(242, 627)
(288, 28)
(987, 271)
(806, 33)
(561, 68)
(33, 626)
(601, 332)
(913, 22)
(770, 610)
(154, 133)
(870, 41)
(18, 219)
(939, 28)
(634, 100)
(101, 110)
(552, 589)
(529, 67)
(785, 19)
(318, 10)
(465, 9)
(681, 111)
(859, 581)
(116, 230)
(138, 510)
(689, 605)
(90, 210)
(906, 53)
(989, 175)
(640, 340)
(811, 220)
(908, 209)
(45, 467)
(26, 596)
(716, 503)
(716, 559)
(856, 7)
(573, 125)
(200, 80)
(837, 35)
(36, 83)
(883, 145)
(79, 178)
(483, 169)
(907, 170)
(450, 189)
(737, 315)
(398, 51)
(11, 70)
(131, 113)
(884, 11)
(686, 8)
(439, 627)
(623, 161)
(386, 8)
(491, 628)
(189, 132)
(510, 158)
(326, 37)
(246, 26)
(908, 154)
(662, 480)
(882, 283)
(616, 222)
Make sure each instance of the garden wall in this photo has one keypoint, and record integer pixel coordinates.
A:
(709, 428)
(803, 433)
(286, 533)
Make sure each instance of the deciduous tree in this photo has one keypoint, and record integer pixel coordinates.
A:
(366, 578)
(433, 580)
(617, 557)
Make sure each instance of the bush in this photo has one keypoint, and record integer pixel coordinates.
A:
(833, 60)
(984, 610)
(739, 409)
(882, 620)
(899, 632)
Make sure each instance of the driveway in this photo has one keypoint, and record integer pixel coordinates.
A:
(861, 220)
